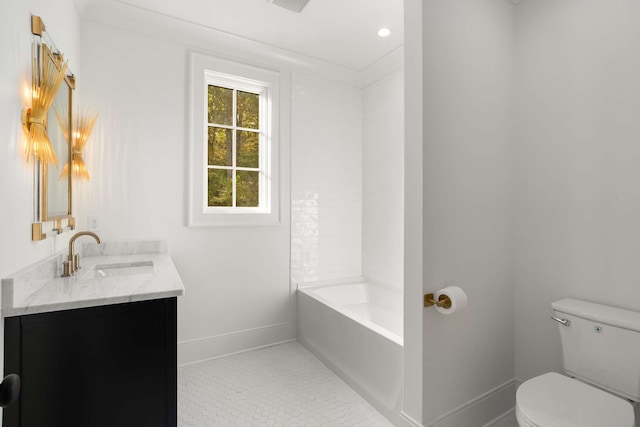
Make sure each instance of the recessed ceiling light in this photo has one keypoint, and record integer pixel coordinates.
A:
(384, 32)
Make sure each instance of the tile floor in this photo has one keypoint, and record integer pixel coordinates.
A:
(509, 421)
(283, 385)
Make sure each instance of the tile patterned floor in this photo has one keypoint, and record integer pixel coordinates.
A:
(509, 421)
(283, 385)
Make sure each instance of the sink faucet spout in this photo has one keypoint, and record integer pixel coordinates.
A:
(72, 264)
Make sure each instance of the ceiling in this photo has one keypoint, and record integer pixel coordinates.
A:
(341, 32)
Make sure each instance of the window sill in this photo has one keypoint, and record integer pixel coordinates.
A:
(234, 220)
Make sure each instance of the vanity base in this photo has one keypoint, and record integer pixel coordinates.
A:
(106, 366)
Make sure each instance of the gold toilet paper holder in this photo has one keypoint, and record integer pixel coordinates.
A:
(443, 301)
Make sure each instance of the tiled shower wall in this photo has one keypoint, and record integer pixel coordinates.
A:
(383, 186)
(326, 180)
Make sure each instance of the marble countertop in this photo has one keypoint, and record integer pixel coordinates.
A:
(39, 288)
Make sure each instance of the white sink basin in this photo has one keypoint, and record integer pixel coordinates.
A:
(119, 269)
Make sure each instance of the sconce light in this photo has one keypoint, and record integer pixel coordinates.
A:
(43, 93)
(85, 121)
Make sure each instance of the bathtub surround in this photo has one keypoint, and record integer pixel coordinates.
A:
(305, 234)
(326, 177)
(347, 210)
(382, 178)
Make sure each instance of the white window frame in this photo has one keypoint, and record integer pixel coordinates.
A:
(205, 71)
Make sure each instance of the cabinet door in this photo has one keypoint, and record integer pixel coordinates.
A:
(100, 367)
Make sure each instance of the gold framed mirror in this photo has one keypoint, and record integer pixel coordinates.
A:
(53, 186)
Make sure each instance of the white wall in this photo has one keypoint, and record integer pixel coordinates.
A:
(326, 180)
(382, 180)
(413, 273)
(577, 175)
(136, 73)
(467, 55)
(17, 250)
(16, 175)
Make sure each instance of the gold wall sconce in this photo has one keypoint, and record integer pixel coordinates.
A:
(84, 123)
(52, 84)
(46, 82)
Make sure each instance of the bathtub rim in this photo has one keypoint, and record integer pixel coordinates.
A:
(308, 287)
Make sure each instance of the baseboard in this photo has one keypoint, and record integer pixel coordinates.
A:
(409, 422)
(212, 347)
(481, 410)
(499, 418)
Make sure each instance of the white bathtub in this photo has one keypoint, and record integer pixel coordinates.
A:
(356, 328)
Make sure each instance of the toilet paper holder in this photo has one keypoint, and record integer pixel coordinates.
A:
(444, 301)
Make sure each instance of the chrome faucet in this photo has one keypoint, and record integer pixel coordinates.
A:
(72, 264)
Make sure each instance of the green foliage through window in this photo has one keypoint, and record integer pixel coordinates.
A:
(247, 188)
(220, 105)
(248, 110)
(220, 187)
(248, 149)
(220, 147)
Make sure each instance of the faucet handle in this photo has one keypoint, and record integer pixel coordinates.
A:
(67, 269)
(76, 262)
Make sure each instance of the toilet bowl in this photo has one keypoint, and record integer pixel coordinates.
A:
(555, 400)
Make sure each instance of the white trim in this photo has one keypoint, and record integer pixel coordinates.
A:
(499, 418)
(388, 64)
(200, 349)
(198, 213)
(414, 254)
(211, 41)
(498, 400)
(410, 422)
(228, 334)
(237, 352)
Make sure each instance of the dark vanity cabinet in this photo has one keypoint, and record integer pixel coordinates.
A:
(107, 366)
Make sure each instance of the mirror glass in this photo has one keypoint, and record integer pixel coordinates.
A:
(57, 179)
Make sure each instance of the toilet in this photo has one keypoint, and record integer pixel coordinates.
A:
(601, 359)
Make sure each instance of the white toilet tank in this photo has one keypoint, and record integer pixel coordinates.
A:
(601, 345)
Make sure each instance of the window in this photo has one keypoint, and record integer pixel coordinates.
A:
(234, 144)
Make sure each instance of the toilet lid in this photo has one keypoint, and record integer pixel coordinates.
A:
(554, 400)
